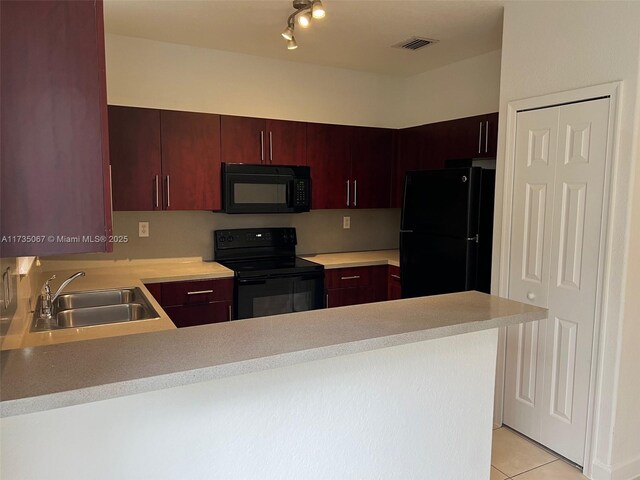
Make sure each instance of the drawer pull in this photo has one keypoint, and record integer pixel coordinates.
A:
(353, 277)
(200, 292)
(395, 276)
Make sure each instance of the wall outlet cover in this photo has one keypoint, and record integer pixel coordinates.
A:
(346, 222)
(143, 229)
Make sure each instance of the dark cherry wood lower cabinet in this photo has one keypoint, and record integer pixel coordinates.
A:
(196, 302)
(394, 289)
(354, 286)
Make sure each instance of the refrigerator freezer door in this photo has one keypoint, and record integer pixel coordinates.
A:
(433, 265)
(442, 202)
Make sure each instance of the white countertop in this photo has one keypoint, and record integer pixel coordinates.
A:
(54, 376)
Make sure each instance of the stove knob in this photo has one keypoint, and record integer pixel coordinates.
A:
(229, 238)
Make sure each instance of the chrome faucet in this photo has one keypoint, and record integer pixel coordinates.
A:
(46, 307)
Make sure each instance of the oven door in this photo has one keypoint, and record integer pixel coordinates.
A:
(272, 295)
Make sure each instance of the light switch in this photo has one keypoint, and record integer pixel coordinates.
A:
(143, 229)
(346, 222)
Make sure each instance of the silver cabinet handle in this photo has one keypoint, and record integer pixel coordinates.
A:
(261, 146)
(168, 192)
(348, 193)
(199, 292)
(355, 193)
(486, 137)
(352, 277)
(326, 300)
(157, 187)
(395, 276)
(230, 316)
(271, 147)
(480, 139)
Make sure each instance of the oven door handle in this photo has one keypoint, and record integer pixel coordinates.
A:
(242, 281)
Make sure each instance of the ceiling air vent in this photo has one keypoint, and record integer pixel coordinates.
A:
(414, 43)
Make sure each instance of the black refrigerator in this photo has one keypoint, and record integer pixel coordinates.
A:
(446, 231)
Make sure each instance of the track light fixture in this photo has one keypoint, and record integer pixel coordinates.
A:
(305, 10)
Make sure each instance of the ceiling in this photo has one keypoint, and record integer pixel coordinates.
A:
(355, 34)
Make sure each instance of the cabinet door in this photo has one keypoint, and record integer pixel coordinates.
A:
(287, 142)
(410, 150)
(394, 288)
(191, 160)
(244, 139)
(491, 135)
(371, 166)
(329, 159)
(134, 147)
(200, 314)
(54, 149)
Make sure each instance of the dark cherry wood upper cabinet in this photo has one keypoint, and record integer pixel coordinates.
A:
(134, 145)
(411, 149)
(259, 140)
(244, 139)
(371, 167)
(54, 153)
(328, 155)
(190, 160)
(287, 142)
(491, 138)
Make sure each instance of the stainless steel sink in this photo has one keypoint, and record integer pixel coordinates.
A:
(96, 298)
(95, 307)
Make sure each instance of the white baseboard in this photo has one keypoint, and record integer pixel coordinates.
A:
(627, 471)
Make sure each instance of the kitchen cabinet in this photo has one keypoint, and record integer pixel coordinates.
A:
(350, 166)
(263, 141)
(427, 147)
(328, 155)
(164, 160)
(55, 187)
(371, 166)
(196, 302)
(356, 285)
(394, 287)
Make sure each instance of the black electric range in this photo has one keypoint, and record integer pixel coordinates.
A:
(269, 278)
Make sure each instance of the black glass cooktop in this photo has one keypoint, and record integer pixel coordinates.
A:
(271, 266)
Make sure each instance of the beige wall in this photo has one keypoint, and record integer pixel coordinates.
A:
(190, 234)
(461, 89)
(551, 47)
(147, 73)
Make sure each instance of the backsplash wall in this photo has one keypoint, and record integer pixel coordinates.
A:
(190, 234)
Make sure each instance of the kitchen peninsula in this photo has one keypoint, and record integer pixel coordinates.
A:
(264, 396)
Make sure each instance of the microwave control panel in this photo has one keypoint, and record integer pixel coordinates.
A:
(301, 193)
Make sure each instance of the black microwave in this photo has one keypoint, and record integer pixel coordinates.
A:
(250, 188)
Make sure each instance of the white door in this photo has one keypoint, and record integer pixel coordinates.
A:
(556, 230)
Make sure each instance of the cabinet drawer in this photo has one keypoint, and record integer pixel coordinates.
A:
(348, 277)
(195, 292)
(199, 314)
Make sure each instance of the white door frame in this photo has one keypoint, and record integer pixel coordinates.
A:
(504, 199)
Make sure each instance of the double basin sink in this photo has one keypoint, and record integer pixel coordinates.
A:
(96, 307)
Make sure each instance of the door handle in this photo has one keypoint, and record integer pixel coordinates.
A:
(348, 193)
(261, 146)
(230, 316)
(480, 139)
(486, 137)
(355, 193)
(157, 192)
(168, 192)
(326, 300)
(393, 275)
(200, 292)
(531, 295)
(352, 277)
(270, 147)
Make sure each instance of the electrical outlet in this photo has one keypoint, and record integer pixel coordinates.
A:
(346, 222)
(143, 229)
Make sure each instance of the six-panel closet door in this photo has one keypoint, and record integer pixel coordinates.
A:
(554, 259)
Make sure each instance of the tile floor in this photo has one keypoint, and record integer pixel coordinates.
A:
(514, 456)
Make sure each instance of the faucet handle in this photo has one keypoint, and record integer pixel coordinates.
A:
(46, 287)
